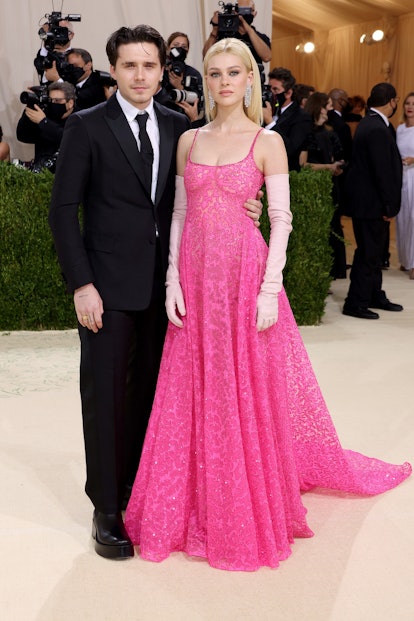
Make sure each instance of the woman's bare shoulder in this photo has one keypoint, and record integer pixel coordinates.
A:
(271, 152)
(271, 139)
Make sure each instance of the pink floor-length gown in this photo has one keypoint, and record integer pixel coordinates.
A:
(239, 426)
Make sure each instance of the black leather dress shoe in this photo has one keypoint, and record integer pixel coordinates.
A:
(388, 306)
(359, 312)
(111, 538)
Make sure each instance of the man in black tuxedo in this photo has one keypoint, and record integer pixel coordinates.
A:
(374, 191)
(89, 88)
(339, 99)
(290, 120)
(118, 160)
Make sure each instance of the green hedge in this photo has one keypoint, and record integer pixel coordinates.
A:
(306, 276)
(32, 293)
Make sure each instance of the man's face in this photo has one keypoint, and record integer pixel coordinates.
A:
(57, 98)
(276, 86)
(279, 93)
(249, 19)
(248, 3)
(138, 72)
(341, 102)
(77, 61)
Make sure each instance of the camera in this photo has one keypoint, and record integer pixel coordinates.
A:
(55, 34)
(38, 95)
(48, 162)
(178, 96)
(51, 36)
(176, 60)
(192, 91)
(228, 20)
(105, 78)
(267, 95)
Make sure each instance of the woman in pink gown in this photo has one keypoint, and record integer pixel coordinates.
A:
(239, 426)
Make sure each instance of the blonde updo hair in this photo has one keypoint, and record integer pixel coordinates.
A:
(236, 47)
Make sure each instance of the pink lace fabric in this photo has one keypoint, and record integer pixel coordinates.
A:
(239, 426)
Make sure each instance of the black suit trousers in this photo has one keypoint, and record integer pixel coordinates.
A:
(118, 375)
(366, 273)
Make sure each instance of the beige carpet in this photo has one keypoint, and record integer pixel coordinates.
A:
(359, 566)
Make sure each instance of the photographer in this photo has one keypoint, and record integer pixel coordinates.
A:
(287, 118)
(180, 42)
(257, 42)
(42, 123)
(182, 86)
(78, 70)
(52, 48)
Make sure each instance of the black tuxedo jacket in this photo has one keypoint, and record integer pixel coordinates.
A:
(90, 93)
(374, 181)
(99, 166)
(343, 132)
(293, 125)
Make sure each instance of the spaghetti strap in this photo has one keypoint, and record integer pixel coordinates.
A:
(193, 143)
(255, 138)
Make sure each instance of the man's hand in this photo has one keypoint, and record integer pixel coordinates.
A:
(35, 115)
(191, 110)
(267, 113)
(89, 307)
(52, 74)
(244, 27)
(176, 81)
(254, 208)
(337, 168)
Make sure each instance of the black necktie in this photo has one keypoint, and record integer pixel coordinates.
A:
(147, 152)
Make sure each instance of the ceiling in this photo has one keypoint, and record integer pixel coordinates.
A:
(293, 17)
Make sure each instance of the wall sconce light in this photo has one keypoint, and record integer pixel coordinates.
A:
(375, 37)
(378, 35)
(307, 47)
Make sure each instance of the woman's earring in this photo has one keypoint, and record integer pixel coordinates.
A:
(211, 101)
(248, 96)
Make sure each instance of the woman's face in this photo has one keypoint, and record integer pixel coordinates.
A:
(409, 108)
(179, 42)
(227, 79)
(323, 115)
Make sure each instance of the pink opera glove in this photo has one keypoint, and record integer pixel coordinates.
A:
(174, 296)
(280, 217)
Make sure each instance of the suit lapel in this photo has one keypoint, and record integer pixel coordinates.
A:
(120, 128)
(166, 129)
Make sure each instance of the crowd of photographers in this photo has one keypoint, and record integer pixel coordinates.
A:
(68, 81)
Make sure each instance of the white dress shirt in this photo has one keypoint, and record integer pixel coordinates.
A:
(153, 132)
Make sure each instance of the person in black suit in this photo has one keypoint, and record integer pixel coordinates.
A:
(374, 189)
(290, 120)
(89, 87)
(118, 160)
(336, 120)
(43, 125)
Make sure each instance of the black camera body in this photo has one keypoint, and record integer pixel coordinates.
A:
(176, 60)
(192, 91)
(38, 95)
(54, 35)
(57, 35)
(228, 19)
(267, 95)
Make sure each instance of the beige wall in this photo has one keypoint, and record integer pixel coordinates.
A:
(341, 61)
(19, 42)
